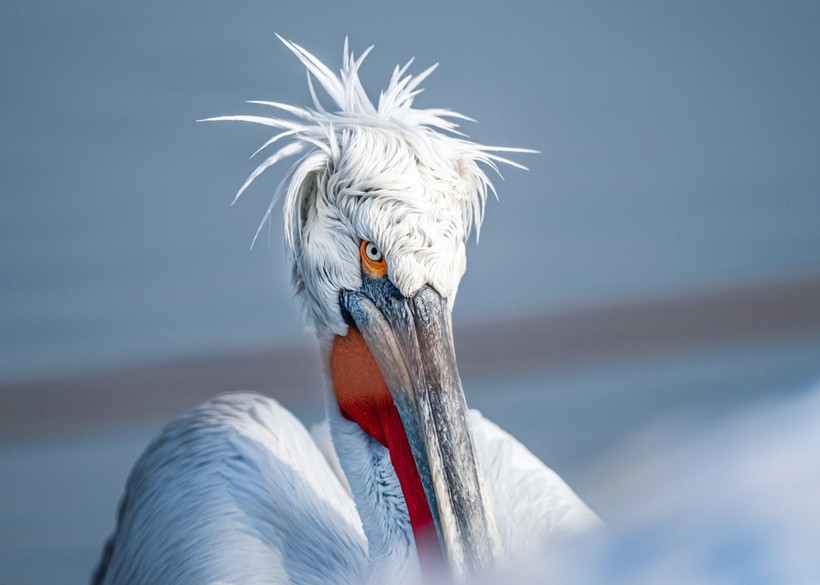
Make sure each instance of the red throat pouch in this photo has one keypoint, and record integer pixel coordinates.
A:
(363, 397)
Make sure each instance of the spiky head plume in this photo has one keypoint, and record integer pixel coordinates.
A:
(410, 159)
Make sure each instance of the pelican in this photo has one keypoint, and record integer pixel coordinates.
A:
(402, 481)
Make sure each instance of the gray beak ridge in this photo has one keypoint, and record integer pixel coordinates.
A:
(411, 340)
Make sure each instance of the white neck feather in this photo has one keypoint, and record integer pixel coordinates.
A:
(379, 501)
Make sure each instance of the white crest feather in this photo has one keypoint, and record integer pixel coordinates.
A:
(319, 130)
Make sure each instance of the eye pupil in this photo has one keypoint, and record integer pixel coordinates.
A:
(373, 253)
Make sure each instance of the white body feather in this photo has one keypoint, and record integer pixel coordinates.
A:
(237, 491)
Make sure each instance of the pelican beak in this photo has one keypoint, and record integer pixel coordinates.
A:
(411, 340)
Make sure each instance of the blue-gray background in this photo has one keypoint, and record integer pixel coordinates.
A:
(679, 152)
(680, 146)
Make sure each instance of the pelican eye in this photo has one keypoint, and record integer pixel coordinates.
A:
(372, 259)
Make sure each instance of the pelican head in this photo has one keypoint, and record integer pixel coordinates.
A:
(378, 207)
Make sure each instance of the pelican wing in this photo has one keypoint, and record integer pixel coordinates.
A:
(235, 491)
(532, 504)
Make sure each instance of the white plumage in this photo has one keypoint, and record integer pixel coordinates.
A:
(383, 173)
(237, 491)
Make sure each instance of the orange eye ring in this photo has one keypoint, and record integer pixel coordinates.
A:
(373, 260)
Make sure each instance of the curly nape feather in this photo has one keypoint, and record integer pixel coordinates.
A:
(322, 132)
